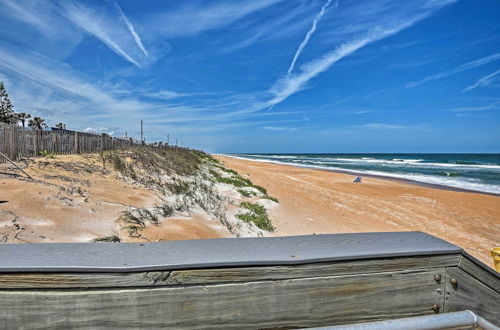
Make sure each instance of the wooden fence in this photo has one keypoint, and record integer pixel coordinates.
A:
(17, 142)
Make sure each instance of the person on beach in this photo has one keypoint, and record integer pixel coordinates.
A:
(357, 180)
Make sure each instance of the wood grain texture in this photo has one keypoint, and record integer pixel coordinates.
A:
(485, 277)
(221, 275)
(471, 294)
(227, 252)
(303, 302)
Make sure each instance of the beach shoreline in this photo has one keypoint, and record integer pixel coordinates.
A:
(319, 201)
(362, 174)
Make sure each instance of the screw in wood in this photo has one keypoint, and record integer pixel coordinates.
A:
(435, 308)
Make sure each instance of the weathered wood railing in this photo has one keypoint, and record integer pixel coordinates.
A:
(301, 281)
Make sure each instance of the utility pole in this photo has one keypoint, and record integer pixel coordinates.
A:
(142, 132)
(126, 137)
(176, 142)
(168, 138)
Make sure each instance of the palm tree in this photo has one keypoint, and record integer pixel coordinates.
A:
(22, 117)
(37, 123)
(60, 126)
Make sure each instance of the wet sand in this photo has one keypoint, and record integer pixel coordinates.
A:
(319, 202)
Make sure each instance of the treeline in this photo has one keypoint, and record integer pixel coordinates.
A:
(9, 116)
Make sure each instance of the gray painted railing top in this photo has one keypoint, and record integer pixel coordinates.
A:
(229, 252)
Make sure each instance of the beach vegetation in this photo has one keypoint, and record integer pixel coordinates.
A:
(110, 239)
(46, 154)
(246, 193)
(257, 214)
(230, 171)
(129, 217)
(261, 189)
(165, 210)
(274, 199)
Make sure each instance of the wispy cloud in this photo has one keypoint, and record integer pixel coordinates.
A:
(279, 128)
(18, 11)
(385, 126)
(483, 81)
(309, 33)
(461, 68)
(108, 24)
(166, 94)
(131, 28)
(491, 106)
(291, 84)
(188, 19)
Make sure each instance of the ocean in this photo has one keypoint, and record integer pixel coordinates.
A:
(477, 172)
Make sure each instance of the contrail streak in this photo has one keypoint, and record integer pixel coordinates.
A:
(484, 81)
(310, 33)
(131, 28)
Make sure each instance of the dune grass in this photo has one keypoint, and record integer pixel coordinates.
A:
(257, 215)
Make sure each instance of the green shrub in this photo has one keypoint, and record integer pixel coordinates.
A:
(246, 193)
(261, 189)
(112, 239)
(257, 215)
(46, 154)
(274, 199)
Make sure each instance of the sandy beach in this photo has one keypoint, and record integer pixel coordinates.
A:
(74, 198)
(320, 202)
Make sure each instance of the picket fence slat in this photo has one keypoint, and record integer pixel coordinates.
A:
(17, 142)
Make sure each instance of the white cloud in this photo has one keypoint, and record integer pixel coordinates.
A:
(279, 128)
(289, 85)
(491, 106)
(166, 94)
(309, 33)
(108, 24)
(131, 28)
(464, 67)
(188, 20)
(385, 126)
(483, 81)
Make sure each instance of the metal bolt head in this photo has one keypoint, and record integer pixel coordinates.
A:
(437, 278)
(454, 282)
(435, 308)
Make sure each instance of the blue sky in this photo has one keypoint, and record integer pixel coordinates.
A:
(262, 75)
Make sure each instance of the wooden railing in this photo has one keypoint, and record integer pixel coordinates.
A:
(286, 282)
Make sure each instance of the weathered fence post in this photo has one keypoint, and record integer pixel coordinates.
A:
(77, 143)
(103, 137)
(13, 142)
(36, 141)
